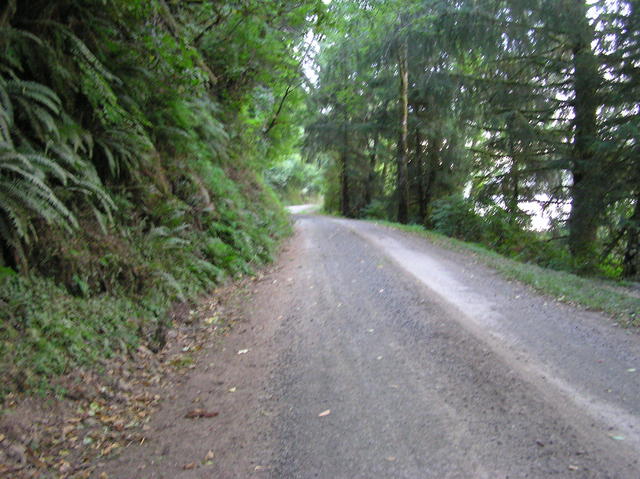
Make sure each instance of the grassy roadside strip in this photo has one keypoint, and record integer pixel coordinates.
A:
(593, 294)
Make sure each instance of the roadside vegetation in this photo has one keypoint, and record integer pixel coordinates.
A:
(477, 118)
(295, 181)
(133, 140)
(621, 300)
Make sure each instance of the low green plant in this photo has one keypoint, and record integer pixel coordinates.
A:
(46, 331)
(294, 180)
(455, 216)
(377, 209)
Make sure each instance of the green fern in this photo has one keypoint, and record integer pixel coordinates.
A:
(39, 152)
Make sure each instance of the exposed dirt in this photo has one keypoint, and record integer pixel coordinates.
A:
(103, 413)
(231, 378)
(370, 353)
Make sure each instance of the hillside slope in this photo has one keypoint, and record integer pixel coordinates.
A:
(133, 137)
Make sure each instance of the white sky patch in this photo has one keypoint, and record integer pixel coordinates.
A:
(309, 65)
(541, 219)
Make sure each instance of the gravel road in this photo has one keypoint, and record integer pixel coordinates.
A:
(375, 354)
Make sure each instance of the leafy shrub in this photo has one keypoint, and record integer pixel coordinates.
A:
(377, 209)
(509, 236)
(294, 180)
(133, 186)
(455, 216)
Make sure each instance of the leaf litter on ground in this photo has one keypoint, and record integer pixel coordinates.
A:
(103, 411)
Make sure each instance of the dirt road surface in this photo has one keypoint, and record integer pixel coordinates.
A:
(371, 353)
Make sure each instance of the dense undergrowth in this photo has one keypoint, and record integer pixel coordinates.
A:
(105, 294)
(133, 139)
(511, 236)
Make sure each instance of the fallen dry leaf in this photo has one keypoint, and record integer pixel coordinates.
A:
(325, 413)
(195, 413)
(110, 448)
(209, 456)
(191, 465)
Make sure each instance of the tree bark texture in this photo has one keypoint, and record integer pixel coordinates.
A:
(371, 174)
(402, 182)
(587, 190)
(419, 165)
(631, 261)
(344, 174)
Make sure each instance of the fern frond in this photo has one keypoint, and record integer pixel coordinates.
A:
(76, 137)
(35, 92)
(113, 165)
(15, 34)
(95, 193)
(14, 211)
(9, 156)
(158, 232)
(48, 166)
(124, 150)
(59, 211)
(41, 123)
(66, 156)
(172, 284)
(6, 109)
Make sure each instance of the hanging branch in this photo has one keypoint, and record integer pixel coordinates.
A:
(291, 86)
(206, 29)
(274, 120)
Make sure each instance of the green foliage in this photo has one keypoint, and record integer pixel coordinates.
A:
(133, 136)
(295, 181)
(34, 170)
(497, 229)
(46, 332)
(455, 216)
(504, 104)
(377, 209)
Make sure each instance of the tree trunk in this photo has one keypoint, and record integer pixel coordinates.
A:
(587, 195)
(344, 175)
(419, 160)
(631, 261)
(513, 197)
(433, 159)
(368, 193)
(402, 182)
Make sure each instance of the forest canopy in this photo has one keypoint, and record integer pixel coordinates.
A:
(461, 115)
